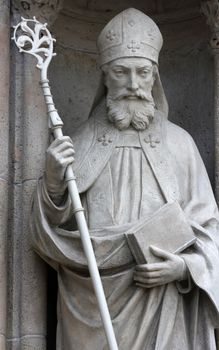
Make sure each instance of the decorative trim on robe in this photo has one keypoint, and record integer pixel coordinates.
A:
(100, 138)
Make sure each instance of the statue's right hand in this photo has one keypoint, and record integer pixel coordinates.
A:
(59, 155)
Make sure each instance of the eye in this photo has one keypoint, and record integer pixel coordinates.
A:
(118, 72)
(143, 72)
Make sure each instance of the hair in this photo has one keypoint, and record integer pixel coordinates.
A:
(124, 113)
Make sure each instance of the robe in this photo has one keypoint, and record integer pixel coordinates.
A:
(123, 178)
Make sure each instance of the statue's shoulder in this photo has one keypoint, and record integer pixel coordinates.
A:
(82, 138)
(85, 128)
(85, 132)
(177, 134)
(86, 135)
(179, 141)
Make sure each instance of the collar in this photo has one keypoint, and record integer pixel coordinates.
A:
(104, 139)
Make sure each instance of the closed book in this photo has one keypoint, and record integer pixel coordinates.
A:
(167, 229)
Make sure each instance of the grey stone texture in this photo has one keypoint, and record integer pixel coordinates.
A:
(187, 72)
(4, 146)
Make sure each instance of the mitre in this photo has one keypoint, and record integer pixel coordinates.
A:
(129, 34)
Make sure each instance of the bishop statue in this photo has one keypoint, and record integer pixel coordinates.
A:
(129, 161)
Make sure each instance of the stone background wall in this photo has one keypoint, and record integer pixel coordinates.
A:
(186, 68)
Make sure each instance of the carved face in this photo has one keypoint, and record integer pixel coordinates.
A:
(129, 82)
(130, 77)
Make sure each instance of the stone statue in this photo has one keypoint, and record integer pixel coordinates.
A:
(130, 161)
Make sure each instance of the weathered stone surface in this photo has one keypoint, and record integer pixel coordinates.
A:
(129, 162)
(4, 146)
(35, 123)
(185, 66)
(26, 319)
(34, 275)
(27, 279)
(2, 342)
(29, 342)
(44, 10)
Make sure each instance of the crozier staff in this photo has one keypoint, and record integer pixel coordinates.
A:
(34, 38)
(129, 161)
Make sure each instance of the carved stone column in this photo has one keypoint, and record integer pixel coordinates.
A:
(44, 10)
(4, 147)
(211, 11)
(27, 295)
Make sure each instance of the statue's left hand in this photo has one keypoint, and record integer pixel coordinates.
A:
(172, 268)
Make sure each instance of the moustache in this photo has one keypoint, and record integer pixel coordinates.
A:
(142, 95)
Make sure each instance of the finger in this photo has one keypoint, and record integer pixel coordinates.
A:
(61, 139)
(161, 253)
(146, 286)
(151, 275)
(61, 159)
(68, 161)
(148, 280)
(69, 152)
(54, 150)
(64, 138)
(150, 267)
(60, 144)
(64, 164)
(59, 153)
(63, 146)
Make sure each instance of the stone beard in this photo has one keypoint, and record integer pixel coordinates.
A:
(129, 100)
(125, 109)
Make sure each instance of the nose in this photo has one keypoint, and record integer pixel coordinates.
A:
(133, 83)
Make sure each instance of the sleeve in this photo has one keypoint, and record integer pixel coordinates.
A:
(201, 210)
(56, 214)
(44, 221)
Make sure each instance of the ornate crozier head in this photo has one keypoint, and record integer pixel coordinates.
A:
(129, 47)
